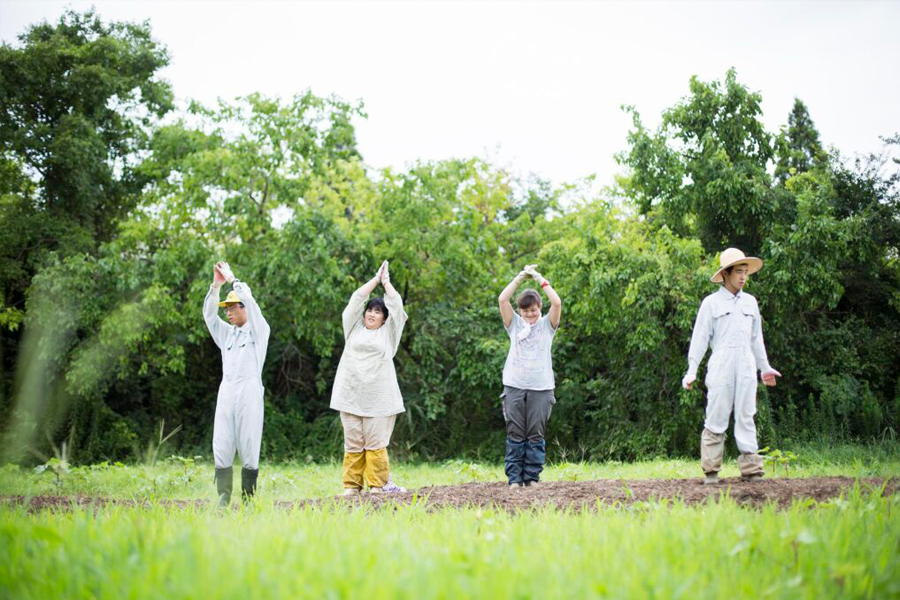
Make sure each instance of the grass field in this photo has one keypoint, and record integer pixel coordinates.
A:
(845, 547)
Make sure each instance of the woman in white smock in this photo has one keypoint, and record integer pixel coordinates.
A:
(365, 387)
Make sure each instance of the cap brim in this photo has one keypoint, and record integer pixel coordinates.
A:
(754, 263)
(223, 304)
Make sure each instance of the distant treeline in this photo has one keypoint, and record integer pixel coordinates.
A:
(111, 218)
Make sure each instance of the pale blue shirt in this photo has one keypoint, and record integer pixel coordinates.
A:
(732, 326)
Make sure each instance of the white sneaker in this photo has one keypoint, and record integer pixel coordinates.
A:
(392, 488)
(376, 490)
(350, 492)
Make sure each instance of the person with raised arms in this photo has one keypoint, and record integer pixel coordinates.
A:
(365, 391)
(528, 383)
(243, 342)
(730, 323)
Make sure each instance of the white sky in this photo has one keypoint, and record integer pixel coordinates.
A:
(535, 86)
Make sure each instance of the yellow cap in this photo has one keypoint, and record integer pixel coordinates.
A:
(231, 298)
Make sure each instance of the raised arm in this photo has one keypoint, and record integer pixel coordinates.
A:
(258, 324)
(555, 311)
(353, 311)
(699, 344)
(397, 319)
(217, 327)
(506, 310)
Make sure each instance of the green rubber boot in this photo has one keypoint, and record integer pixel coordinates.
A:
(224, 483)
(248, 483)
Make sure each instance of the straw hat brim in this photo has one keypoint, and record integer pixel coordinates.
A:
(754, 263)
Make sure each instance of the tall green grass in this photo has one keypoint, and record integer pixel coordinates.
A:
(847, 547)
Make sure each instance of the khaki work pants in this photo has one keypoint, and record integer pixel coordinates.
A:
(712, 447)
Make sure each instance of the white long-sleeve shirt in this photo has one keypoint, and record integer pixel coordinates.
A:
(243, 348)
(366, 383)
(732, 326)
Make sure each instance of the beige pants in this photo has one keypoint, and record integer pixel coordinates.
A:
(712, 447)
(366, 433)
(365, 450)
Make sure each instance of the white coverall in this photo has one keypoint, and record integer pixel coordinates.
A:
(732, 326)
(239, 406)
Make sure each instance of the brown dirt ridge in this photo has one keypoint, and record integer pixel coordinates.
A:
(572, 495)
(578, 495)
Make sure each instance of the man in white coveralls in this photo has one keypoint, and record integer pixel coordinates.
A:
(239, 406)
(730, 322)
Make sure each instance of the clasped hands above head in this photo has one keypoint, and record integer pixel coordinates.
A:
(530, 272)
(222, 274)
(383, 275)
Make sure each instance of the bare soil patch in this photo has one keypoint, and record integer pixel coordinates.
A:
(576, 495)
(611, 492)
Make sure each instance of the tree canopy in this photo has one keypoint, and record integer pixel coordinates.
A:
(111, 220)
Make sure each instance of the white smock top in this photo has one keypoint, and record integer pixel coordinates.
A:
(366, 382)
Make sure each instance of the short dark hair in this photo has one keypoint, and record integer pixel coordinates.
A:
(378, 304)
(528, 298)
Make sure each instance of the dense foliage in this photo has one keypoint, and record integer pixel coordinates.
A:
(112, 217)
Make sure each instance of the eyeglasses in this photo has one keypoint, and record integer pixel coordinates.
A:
(232, 307)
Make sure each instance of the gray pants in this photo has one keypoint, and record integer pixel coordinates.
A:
(526, 413)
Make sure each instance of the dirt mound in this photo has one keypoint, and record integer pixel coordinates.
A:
(612, 492)
(561, 494)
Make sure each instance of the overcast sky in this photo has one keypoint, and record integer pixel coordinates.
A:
(536, 87)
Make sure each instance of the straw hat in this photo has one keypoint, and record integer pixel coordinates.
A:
(231, 298)
(731, 257)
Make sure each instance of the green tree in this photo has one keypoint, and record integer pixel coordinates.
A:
(77, 99)
(798, 148)
(705, 169)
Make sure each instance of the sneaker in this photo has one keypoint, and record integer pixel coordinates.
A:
(754, 477)
(711, 479)
(532, 484)
(375, 490)
(392, 488)
(350, 492)
(515, 487)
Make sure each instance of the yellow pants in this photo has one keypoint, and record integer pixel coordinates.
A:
(373, 464)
